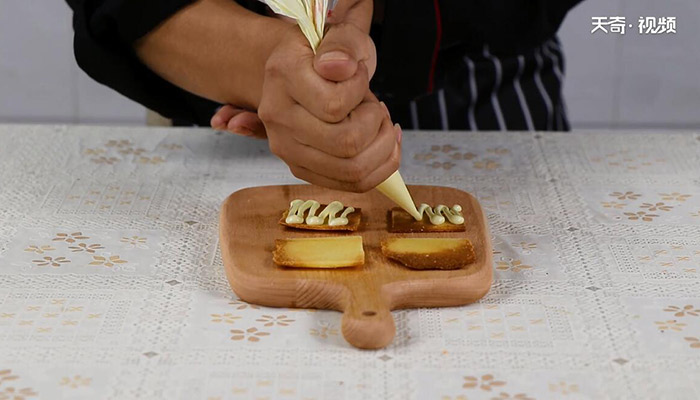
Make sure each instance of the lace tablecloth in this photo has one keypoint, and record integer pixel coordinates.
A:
(112, 286)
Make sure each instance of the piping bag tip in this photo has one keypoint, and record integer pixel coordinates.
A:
(395, 189)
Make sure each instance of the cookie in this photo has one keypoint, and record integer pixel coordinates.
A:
(430, 253)
(354, 219)
(322, 252)
(402, 222)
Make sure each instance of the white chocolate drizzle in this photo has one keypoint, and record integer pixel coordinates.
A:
(297, 209)
(438, 214)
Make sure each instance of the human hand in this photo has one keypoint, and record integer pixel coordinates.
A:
(332, 62)
(331, 133)
(238, 121)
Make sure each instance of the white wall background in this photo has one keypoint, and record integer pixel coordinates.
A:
(633, 81)
(39, 79)
(613, 81)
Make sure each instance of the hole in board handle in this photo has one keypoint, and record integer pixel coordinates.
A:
(369, 313)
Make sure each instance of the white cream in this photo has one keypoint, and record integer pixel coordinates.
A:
(441, 212)
(297, 209)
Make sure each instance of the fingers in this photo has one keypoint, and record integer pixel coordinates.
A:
(331, 133)
(352, 155)
(343, 48)
(329, 101)
(346, 139)
(238, 121)
(247, 124)
(351, 170)
(367, 182)
(221, 117)
(332, 83)
(291, 69)
(335, 65)
(382, 173)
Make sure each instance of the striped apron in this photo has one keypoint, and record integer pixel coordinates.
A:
(489, 92)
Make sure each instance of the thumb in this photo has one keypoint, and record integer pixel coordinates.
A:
(341, 51)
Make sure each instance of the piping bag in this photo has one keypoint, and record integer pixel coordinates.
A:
(311, 17)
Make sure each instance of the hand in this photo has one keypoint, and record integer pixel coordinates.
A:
(334, 67)
(332, 62)
(331, 133)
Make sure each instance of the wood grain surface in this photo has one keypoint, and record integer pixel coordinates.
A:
(366, 295)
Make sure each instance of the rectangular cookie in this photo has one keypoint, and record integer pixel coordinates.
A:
(322, 252)
(402, 222)
(354, 219)
(429, 253)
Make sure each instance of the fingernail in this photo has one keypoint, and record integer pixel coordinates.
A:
(400, 132)
(334, 56)
(388, 114)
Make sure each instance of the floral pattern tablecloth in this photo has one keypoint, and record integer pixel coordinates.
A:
(112, 286)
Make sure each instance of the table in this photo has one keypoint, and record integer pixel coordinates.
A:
(112, 286)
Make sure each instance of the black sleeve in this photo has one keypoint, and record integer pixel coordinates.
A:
(104, 33)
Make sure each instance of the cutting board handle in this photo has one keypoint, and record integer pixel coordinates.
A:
(367, 321)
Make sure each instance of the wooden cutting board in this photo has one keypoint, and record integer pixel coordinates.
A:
(366, 295)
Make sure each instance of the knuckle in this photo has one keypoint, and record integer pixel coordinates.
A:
(350, 145)
(363, 187)
(295, 172)
(276, 66)
(371, 115)
(365, 43)
(378, 111)
(265, 113)
(355, 172)
(279, 66)
(334, 110)
(272, 68)
(370, 44)
(276, 148)
(395, 161)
